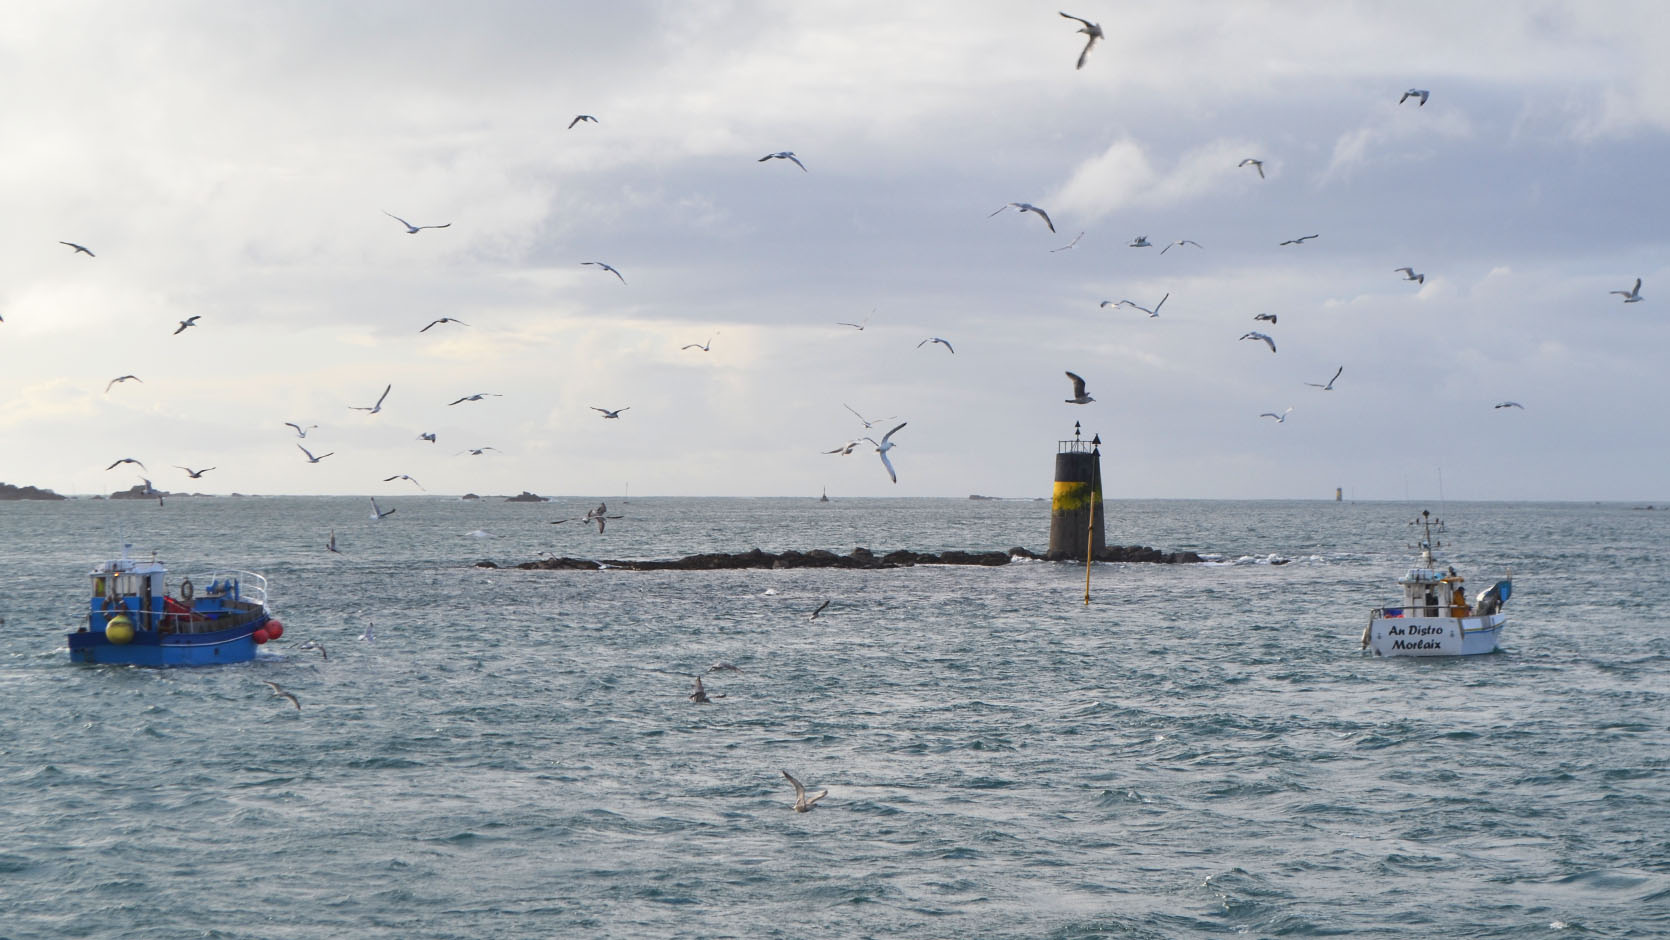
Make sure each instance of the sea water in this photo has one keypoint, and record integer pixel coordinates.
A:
(1201, 751)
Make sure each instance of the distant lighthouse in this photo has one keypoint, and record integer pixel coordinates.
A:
(1078, 491)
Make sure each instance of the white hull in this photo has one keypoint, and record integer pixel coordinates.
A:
(1435, 636)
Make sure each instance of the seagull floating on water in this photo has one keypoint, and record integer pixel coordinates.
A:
(1280, 418)
(377, 513)
(410, 228)
(802, 803)
(1255, 164)
(310, 457)
(883, 446)
(935, 339)
(581, 117)
(611, 414)
(122, 378)
(403, 476)
(1330, 386)
(1090, 29)
(784, 155)
(1510, 404)
(280, 693)
(1420, 93)
(373, 409)
(1410, 275)
(79, 249)
(443, 320)
(194, 474)
(187, 323)
(300, 431)
(1260, 336)
(606, 267)
(1079, 397)
(1300, 240)
(1181, 241)
(1027, 207)
(478, 396)
(1633, 295)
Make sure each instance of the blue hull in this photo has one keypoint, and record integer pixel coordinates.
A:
(150, 648)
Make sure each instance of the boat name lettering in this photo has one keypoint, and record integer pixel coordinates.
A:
(1415, 629)
(1416, 645)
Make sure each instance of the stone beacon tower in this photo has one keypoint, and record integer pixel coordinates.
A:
(1078, 488)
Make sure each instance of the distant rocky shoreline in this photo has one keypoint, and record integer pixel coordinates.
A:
(8, 491)
(859, 558)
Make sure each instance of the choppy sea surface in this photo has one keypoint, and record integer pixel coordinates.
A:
(1202, 751)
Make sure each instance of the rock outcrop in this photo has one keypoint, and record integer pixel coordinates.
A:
(861, 558)
(8, 491)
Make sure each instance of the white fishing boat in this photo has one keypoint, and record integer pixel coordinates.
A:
(1435, 618)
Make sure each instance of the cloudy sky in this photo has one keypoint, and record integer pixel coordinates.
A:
(234, 162)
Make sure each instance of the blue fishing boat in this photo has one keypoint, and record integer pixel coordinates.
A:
(133, 619)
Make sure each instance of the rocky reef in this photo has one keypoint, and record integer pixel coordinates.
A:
(861, 558)
(8, 491)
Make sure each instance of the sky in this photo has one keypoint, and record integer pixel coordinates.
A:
(239, 162)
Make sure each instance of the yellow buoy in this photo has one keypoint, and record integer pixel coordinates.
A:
(119, 630)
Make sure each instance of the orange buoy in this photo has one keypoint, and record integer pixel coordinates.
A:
(274, 629)
(259, 636)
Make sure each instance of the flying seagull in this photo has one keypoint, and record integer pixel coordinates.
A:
(122, 378)
(1330, 386)
(1280, 418)
(427, 436)
(1410, 275)
(410, 228)
(280, 693)
(373, 409)
(847, 448)
(724, 667)
(606, 267)
(150, 490)
(194, 474)
(581, 117)
(404, 476)
(1070, 244)
(315, 645)
(187, 322)
(1027, 207)
(1510, 404)
(856, 326)
(1633, 295)
(883, 446)
(1181, 241)
(1153, 313)
(1079, 397)
(79, 249)
(1089, 29)
(1420, 93)
(478, 396)
(330, 546)
(821, 608)
(310, 457)
(1300, 240)
(1260, 336)
(1267, 317)
(784, 155)
(1255, 164)
(475, 451)
(443, 320)
(126, 460)
(1141, 241)
(611, 414)
(935, 339)
(300, 431)
(802, 803)
(868, 422)
(702, 346)
(700, 696)
(378, 513)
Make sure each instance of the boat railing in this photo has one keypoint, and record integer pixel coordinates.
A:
(249, 587)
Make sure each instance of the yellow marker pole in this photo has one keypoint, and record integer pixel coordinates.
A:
(1090, 530)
